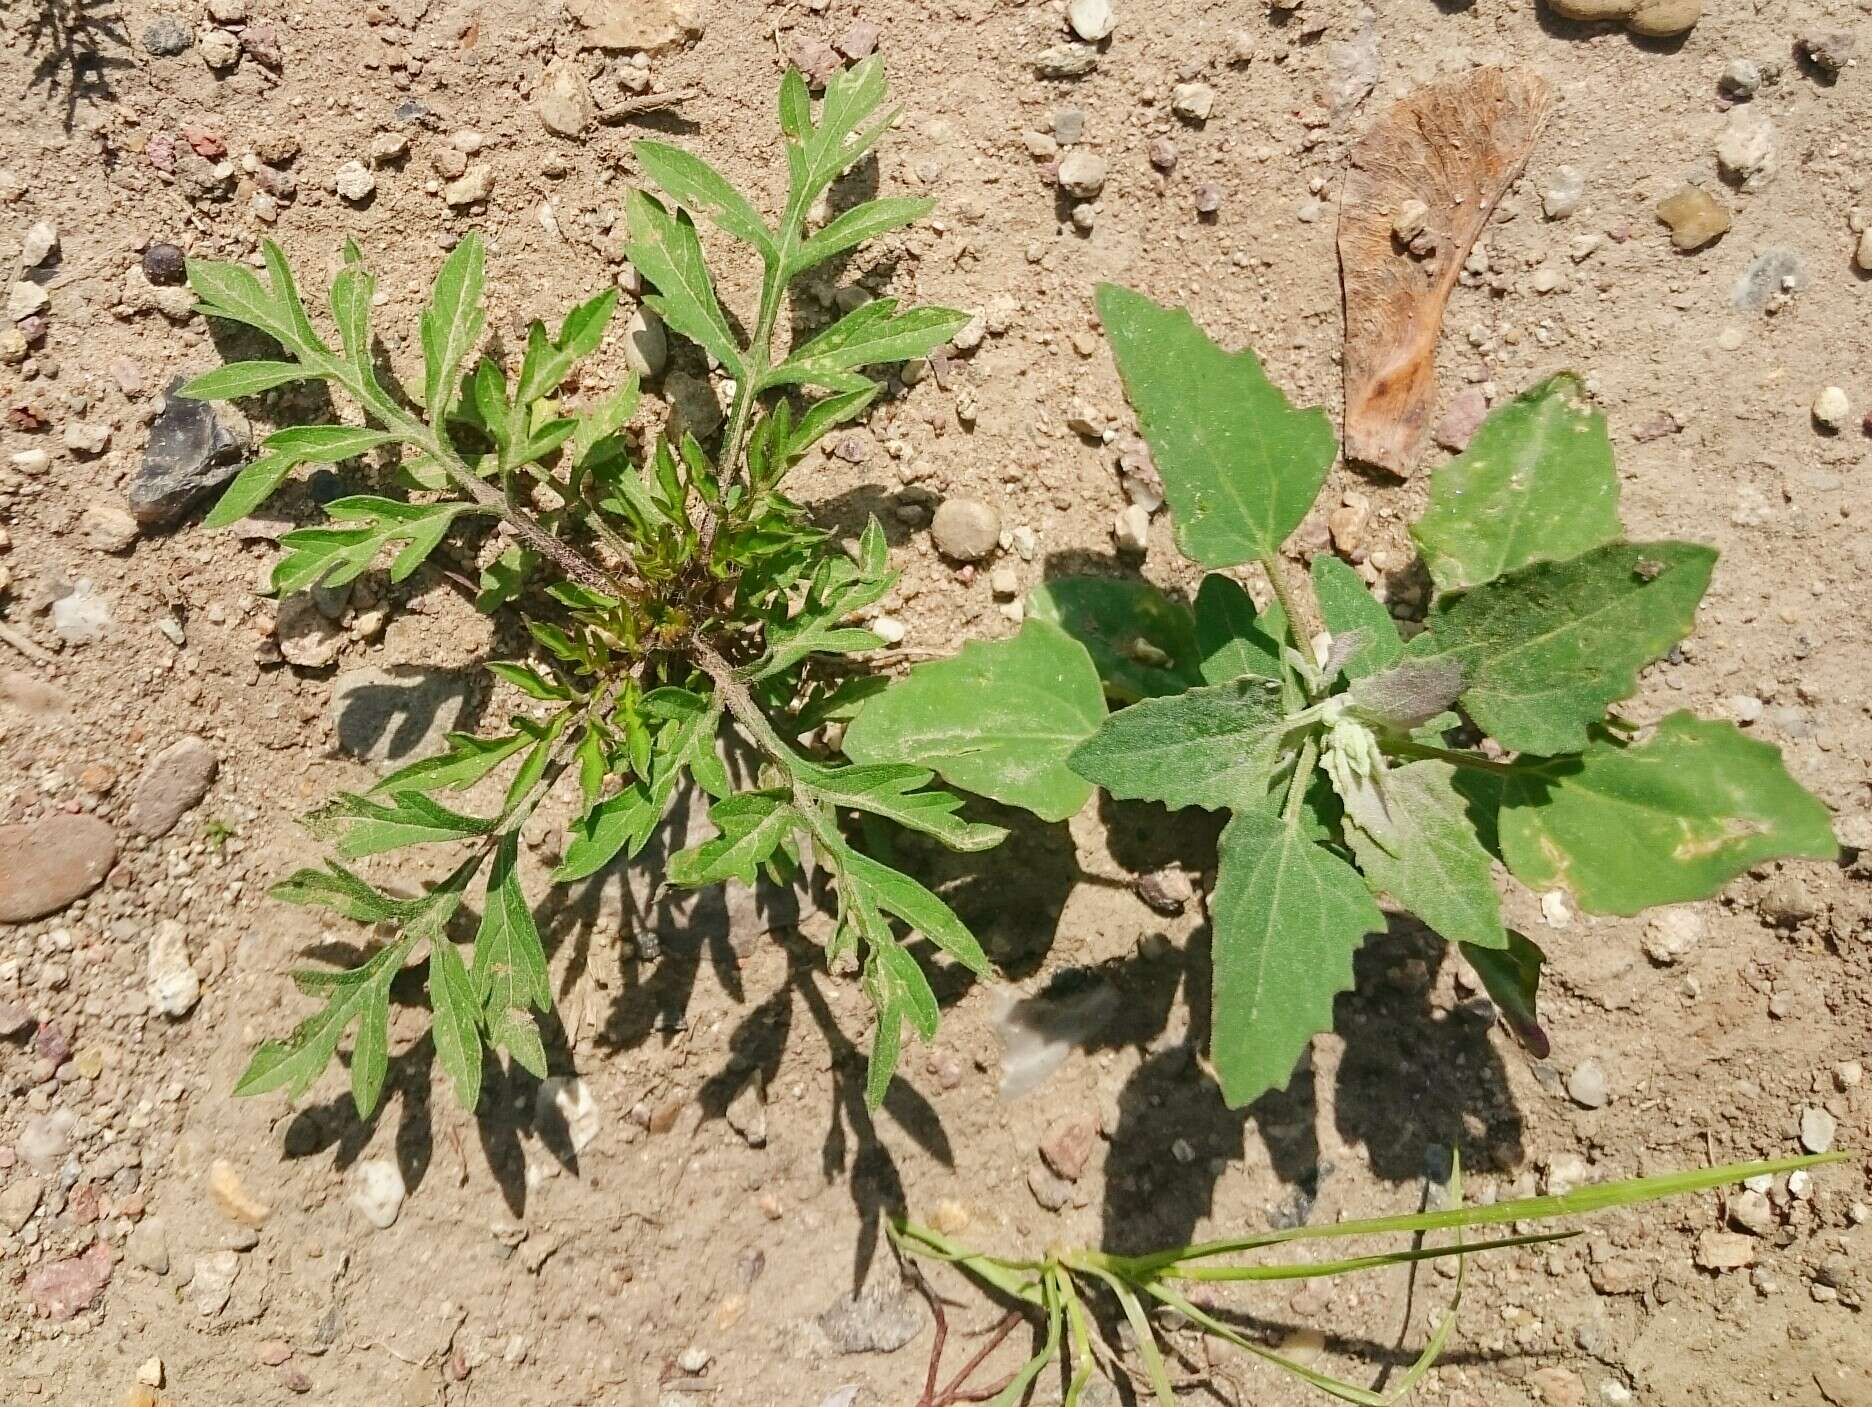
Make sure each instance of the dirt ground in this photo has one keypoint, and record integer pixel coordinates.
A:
(675, 1229)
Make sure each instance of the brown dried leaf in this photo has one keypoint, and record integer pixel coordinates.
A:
(1456, 147)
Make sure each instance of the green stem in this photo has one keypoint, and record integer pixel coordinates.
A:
(1302, 618)
(1470, 761)
(1303, 773)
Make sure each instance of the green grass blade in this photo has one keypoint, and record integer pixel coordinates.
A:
(1016, 1390)
(1325, 1382)
(1146, 1337)
(1353, 1264)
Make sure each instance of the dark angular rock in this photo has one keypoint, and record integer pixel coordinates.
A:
(190, 452)
(166, 37)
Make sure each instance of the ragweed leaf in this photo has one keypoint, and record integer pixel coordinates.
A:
(359, 826)
(510, 972)
(1625, 826)
(665, 249)
(752, 826)
(838, 588)
(238, 379)
(464, 761)
(998, 719)
(359, 995)
(1418, 845)
(856, 226)
(873, 333)
(896, 793)
(333, 556)
(231, 292)
(549, 360)
(1546, 649)
(341, 891)
(1142, 643)
(1536, 484)
(619, 824)
(323, 444)
(1217, 747)
(451, 325)
(1240, 466)
(702, 190)
(898, 894)
(1288, 917)
(457, 1029)
(253, 486)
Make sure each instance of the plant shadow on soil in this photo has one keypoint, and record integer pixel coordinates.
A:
(77, 45)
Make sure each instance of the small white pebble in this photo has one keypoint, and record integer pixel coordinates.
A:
(889, 629)
(1830, 408)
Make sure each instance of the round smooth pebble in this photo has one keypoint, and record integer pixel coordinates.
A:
(1565, 188)
(1091, 20)
(966, 529)
(1817, 1128)
(164, 264)
(354, 182)
(646, 344)
(377, 1192)
(1082, 175)
(1831, 407)
(1587, 1085)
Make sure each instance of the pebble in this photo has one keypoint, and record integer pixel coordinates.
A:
(1565, 189)
(61, 1289)
(564, 102)
(212, 1284)
(1827, 51)
(889, 629)
(1168, 890)
(1770, 277)
(1817, 1128)
(1695, 218)
(230, 1194)
(1745, 149)
(189, 452)
(38, 243)
(1741, 79)
(1830, 409)
(646, 344)
(881, 1318)
(377, 1191)
(1207, 198)
(150, 1372)
(87, 438)
(24, 299)
(471, 188)
(220, 50)
(1750, 1211)
(17, 1203)
(354, 182)
(1091, 20)
(148, 1246)
(859, 41)
(173, 986)
(1787, 902)
(1131, 530)
(45, 1139)
(1082, 174)
(1067, 1146)
(747, 1115)
(1193, 102)
(50, 862)
(1862, 255)
(164, 264)
(1671, 934)
(173, 783)
(1587, 1086)
(1065, 61)
(1049, 1189)
(108, 526)
(566, 1106)
(1724, 1250)
(1004, 582)
(1468, 408)
(966, 529)
(1163, 154)
(1558, 1387)
(695, 403)
(307, 637)
(1652, 18)
(167, 36)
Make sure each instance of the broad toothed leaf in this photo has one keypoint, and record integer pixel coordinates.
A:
(665, 249)
(1232, 637)
(1415, 842)
(1535, 484)
(999, 719)
(1547, 649)
(1142, 643)
(1217, 747)
(702, 190)
(1240, 466)
(1347, 607)
(1625, 826)
(1288, 916)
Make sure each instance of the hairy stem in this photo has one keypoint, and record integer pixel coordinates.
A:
(1302, 616)
(1470, 761)
(1303, 773)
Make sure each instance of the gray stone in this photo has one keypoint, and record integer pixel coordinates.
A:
(82, 614)
(1091, 20)
(190, 452)
(1770, 274)
(564, 101)
(966, 529)
(50, 862)
(167, 36)
(1587, 1085)
(173, 782)
(1817, 1128)
(646, 344)
(881, 1318)
(45, 1139)
(148, 1246)
(1065, 61)
(173, 986)
(213, 1282)
(18, 1202)
(391, 716)
(1082, 175)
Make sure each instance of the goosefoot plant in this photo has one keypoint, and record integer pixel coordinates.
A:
(671, 595)
(1164, 1291)
(1335, 746)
